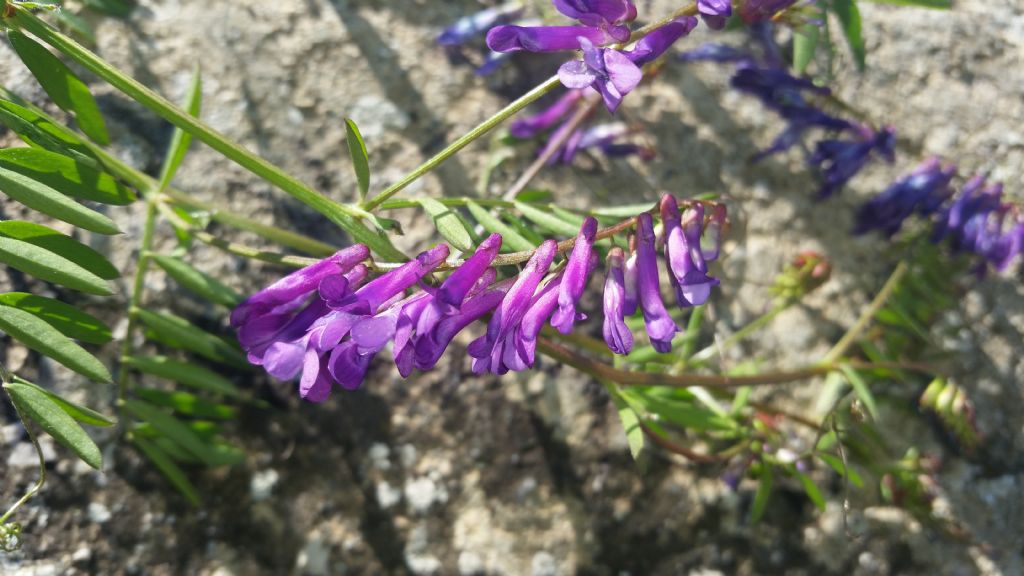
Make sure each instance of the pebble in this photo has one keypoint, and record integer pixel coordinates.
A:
(262, 484)
(470, 563)
(98, 513)
(313, 559)
(423, 492)
(543, 564)
(387, 495)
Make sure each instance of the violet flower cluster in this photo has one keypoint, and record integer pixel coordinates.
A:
(602, 25)
(975, 220)
(837, 158)
(324, 324)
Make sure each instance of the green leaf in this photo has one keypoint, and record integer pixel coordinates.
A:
(45, 199)
(535, 196)
(630, 423)
(805, 43)
(511, 241)
(168, 468)
(623, 212)
(60, 244)
(118, 8)
(522, 228)
(41, 131)
(764, 492)
(187, 404)
(360, 159)
(66, 175)
(684, 414)
(44, 338)
(861, 388)
(67, 90)
(174, 429)
(83, 414)
(547, 221)
(181, 333)
(837, 464)
(38, 260)
(68, 319)
(181, 140)
(933, 4)
(201, 283)
(849, 16)
(188, 374)
(812, 490)
(37, 405)
(448, 224)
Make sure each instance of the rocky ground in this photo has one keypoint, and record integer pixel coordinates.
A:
(451, 473)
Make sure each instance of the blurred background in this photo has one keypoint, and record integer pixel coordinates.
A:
(452, 473)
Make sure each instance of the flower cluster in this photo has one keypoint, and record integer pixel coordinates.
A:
(325, 323)
(976, 220)
(799, 102)
(611, 72)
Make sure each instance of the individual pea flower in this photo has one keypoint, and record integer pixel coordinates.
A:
(923, 192)
(604, 22)
(469, 27)
(979, 221)
(686, 264)
(574, 281)
(660, 326)
(602, 137)
(838, 161)
(616, 334)
(489, 351)
(285, 308)
(557, 112)
(714, 13)
(614, 73)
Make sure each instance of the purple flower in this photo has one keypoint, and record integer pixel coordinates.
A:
(686, 265)
(712, 52)
(297, 285)
(711, 239)
(660, 326)
(540, 310)
(533, 125)
(430, 345)
(715, 13)
(616, 334)
(652, 46)
(574, 281)
(840, 160)
(608, 16)
(489, 351)
(923, 191)
(610, 72)
(542, 38)
(465, 29)
(753, 11)
(979, 221)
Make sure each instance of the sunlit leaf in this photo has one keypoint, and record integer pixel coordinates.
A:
(511, 241)
(805, 43)
(630, 424)
(761, 497)
(26, 254)
(40, 336)
(83, 414)
(448, 224)
(181, 140)
(67, 90)
(174, 429)
(39, 407)
(66, 175)
(360, 159)
(849, 16)
(40, 197)
(68, 319)
(41, 131)
(546, 220)
(860, 387)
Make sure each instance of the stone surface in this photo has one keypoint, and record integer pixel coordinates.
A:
(529, 474)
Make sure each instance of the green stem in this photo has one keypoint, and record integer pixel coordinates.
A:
(138, 287)
(868, 314)
(482, 129)
(344, 216)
